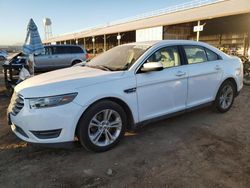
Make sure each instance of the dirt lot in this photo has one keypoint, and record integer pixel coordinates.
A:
(198, 149)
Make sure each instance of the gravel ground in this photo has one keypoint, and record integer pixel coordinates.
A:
(198, 149)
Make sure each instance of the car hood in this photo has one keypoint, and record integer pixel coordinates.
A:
(64, 81)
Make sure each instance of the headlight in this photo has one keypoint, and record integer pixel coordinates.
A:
(45, 102)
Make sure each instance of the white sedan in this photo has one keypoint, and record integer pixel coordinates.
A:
(123, 88)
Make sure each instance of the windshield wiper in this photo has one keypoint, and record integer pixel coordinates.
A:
(102, 67)
(105, 68)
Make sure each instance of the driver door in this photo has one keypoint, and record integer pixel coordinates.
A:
(162, 92)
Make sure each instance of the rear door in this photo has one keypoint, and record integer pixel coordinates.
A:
(205, 74)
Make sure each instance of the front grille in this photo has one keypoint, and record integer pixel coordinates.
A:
(16, 104)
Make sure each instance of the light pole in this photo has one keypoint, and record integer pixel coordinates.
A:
(119, 38)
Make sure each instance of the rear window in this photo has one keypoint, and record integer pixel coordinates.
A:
(211, 56)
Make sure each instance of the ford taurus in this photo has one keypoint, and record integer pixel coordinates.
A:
(123, 88)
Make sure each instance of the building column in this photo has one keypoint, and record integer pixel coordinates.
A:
(84, 43)
(104, 43)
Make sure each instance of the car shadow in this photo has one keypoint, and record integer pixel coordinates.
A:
(10, 143)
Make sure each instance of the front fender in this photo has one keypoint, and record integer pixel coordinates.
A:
(112, 89)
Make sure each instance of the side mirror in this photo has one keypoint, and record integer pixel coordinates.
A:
(152, 66)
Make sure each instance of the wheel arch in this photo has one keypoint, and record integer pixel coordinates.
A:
(75, 60)
(120, 102)
(231, 79)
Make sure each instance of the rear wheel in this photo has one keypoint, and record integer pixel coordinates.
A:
(225, 96)
(102, 126)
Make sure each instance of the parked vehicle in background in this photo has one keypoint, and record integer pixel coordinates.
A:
(123, 88)
(3, 55)
(246, 69)
(60, 56)
(54, 57)
(11, 70)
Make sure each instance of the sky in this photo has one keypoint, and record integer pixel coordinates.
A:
(68, 15)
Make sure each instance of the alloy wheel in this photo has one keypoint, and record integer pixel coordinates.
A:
(226, 97)
(105, 127)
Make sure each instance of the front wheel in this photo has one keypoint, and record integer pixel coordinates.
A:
(225, 96)
(102, 126)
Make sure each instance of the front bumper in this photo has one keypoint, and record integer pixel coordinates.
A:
(46, 125)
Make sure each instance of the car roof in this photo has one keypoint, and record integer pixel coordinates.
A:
(176, 42)
(66, 45)
(181, 42)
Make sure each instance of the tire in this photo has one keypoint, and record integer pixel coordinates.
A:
(94, 131)
(75, 62)
(225, 96)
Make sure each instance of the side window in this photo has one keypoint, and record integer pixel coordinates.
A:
(168, 56)
(76, 50)
(48, 51)
(62, 50)
(53, 50)
(212, 56)
(59, 50)
(67, 50)
(195, 54)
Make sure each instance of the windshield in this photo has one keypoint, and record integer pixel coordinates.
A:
(118, 58)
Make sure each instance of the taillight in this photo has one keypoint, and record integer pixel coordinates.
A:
(87, 56)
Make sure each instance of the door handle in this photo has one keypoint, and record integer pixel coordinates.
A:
(217, 67)
(180, 73)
